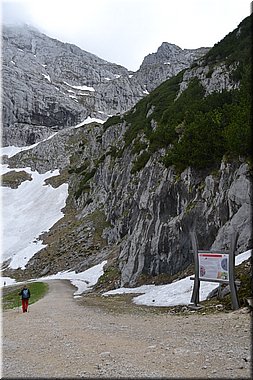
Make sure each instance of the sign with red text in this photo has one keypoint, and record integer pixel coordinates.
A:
(213, 266)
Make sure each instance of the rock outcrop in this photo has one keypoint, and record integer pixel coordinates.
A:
(168, 61)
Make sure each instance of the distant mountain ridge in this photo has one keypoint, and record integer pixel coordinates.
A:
(48, 84)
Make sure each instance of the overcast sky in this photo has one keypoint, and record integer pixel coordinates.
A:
(124, 31)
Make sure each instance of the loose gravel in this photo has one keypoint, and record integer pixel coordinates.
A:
(61, 337)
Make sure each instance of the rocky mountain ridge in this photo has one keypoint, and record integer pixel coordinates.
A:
(168, 61)
(49, 85)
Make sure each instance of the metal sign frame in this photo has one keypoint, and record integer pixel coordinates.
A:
(231, 265)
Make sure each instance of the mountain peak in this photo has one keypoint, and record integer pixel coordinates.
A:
(168, 46)
(168, 61)
(169, 53)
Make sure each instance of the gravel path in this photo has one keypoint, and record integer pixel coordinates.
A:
(60, 338)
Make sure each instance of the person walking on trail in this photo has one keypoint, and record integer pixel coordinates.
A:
(25, 295)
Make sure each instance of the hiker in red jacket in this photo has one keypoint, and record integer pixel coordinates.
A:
(25, 295)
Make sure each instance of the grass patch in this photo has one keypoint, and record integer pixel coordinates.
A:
(99, 222)
(109, 279)
(58, 180)
(11, 299)
(86, 176)
(119, 304)
(13, 179)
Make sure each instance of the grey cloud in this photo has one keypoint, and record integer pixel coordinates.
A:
(15, 13)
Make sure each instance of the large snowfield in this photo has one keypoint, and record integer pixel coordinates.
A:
(35, 207)
(28, 211)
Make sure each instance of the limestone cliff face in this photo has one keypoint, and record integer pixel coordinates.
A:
(216, 79)
(168, 61)
(151, 212)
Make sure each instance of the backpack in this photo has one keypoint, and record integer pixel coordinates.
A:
(25, 293)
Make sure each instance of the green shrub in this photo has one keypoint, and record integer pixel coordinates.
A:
(138, 146)
(83, 186)
(116, 119)
(234, 47)
(140, 162)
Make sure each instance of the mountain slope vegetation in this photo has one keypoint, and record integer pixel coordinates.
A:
(197, 129)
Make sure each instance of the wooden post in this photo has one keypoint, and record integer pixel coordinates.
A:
(232, 284)
(195, 292)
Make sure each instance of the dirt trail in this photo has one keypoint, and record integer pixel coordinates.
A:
(60, 338)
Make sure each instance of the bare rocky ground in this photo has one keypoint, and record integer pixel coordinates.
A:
(63, 337)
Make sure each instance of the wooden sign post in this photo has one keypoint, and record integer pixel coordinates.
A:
(214, 266)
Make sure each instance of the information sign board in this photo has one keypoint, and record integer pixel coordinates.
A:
(213, 265)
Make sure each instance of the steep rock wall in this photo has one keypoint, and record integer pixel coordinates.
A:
(151, 212)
